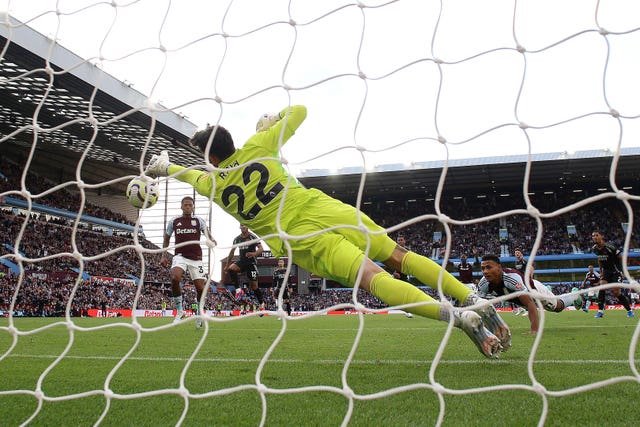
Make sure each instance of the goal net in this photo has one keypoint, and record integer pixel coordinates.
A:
(392, 88)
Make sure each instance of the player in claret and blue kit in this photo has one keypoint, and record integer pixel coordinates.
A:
(591, 279)
(188, 254)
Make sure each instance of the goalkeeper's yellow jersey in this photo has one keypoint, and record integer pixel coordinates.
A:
(255, 181)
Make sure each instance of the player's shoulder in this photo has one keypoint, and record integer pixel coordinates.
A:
(483, 286)
(513, 279)
(513, 272)
(612, 247)
(512, 276)
(172, 221)
(261, 144)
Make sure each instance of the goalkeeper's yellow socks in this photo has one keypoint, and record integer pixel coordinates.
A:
(427, 272)
(398, 292)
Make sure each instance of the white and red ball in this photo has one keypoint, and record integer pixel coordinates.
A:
(142, 192)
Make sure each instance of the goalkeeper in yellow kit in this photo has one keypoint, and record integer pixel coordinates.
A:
(324, 235)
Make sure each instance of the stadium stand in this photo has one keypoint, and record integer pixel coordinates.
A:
(46, 290)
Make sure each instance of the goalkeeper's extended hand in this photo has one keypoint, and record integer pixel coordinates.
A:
(159, 164)
(266, 121)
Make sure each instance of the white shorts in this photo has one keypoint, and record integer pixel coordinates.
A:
(548, 304)
(195, 268)
(551, 304)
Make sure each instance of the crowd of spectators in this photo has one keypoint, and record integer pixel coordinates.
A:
(48, 246)
(10, 182)
(41, 298)
(606, 215)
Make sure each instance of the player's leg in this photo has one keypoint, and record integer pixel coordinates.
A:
(424, 269)
(178, 267)
(622, 299)
(287, 300)
(556, 305)
(226, 281)
(339, 254)
(398, 292)
(330, 212)
(601, 300)
(427, 272)
(232, 272)
(199, 277)
(252, 275)
(587, 301)
(199, 285)
(332, 256)
(228, 295)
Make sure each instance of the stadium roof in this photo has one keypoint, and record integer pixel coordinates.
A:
(562, 171)
(63, 102)
(79, 89)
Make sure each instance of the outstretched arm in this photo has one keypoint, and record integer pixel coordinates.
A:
(584, 282)
(532, 309)
(476, 263)
(208, 235)
(290, 118)
(165, 242)
(619, 261)
(258, 251)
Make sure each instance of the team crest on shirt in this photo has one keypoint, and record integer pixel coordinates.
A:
(519, 286)
(193, 222)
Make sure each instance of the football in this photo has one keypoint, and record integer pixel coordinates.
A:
(142, 193)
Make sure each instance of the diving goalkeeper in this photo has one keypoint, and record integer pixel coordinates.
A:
(325, 236)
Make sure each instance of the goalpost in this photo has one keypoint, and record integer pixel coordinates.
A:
(398, 81)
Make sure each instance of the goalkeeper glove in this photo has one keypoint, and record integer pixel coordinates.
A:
(266, 121)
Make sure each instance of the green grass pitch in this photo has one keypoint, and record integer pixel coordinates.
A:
(305, 381)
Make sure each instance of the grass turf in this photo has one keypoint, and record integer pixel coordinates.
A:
(158, 374)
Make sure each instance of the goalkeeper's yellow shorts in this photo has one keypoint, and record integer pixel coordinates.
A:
(335, 254)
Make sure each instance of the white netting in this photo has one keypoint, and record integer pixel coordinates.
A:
(398, 81)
